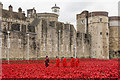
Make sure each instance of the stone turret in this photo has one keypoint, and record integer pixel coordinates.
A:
(20, 9)
(10, 11)
(20, 12)
(10, 8)
(56, 9)
(99, 31)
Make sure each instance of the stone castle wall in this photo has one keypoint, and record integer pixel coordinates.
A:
(46, 37)
(96, 35)
(18, 46)
(83, 43)
(114, 37)
(96, 25)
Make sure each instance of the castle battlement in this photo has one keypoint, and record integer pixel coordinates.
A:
(98, 13)
(114, 18)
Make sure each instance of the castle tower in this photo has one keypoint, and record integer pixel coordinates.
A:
(114, 37)
(82, 22)
(83, 38)
(99, 31)
(55, 9)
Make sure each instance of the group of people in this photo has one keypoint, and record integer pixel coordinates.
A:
(73, 62)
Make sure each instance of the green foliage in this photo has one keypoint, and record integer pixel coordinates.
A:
(82, 57)
(89, 57)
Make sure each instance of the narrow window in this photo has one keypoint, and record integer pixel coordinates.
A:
(100, 19)
(119, 52)
(77, 34)
(19, 43)
(82, 21)
(100, 33)
(107, 33)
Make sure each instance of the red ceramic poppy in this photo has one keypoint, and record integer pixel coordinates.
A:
(87, 68)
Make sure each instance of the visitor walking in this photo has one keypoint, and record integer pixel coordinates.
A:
(64, 62)
(77, 62)
(57, 62)
(47, 61)
(72, 62)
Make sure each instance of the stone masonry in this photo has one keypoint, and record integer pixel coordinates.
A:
(40, 34)
(47, 36)
(114, 36)
(104, 34)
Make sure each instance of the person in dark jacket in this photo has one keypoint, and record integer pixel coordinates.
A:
(47, 61)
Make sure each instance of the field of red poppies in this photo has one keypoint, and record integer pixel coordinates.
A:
(88, 68)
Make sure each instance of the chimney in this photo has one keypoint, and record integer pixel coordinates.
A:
(20, 12)
(10, 8)
(20, 9)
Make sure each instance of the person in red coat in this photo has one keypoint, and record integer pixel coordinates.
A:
(57, 61)
(77, 62)
(64, 62)
(72, 62)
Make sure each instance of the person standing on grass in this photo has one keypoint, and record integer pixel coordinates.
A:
(57, 62)
(47, 61)
(64, 62)
(77, 62)
(72, 62)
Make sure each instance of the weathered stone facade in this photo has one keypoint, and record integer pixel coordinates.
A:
(83, 39)
(83, 45)
(35, 36)
(99, 31)
(114, 38)
(103, 31)
(82, 22)
(41, 34)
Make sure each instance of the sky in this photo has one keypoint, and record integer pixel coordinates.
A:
(68, 8)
